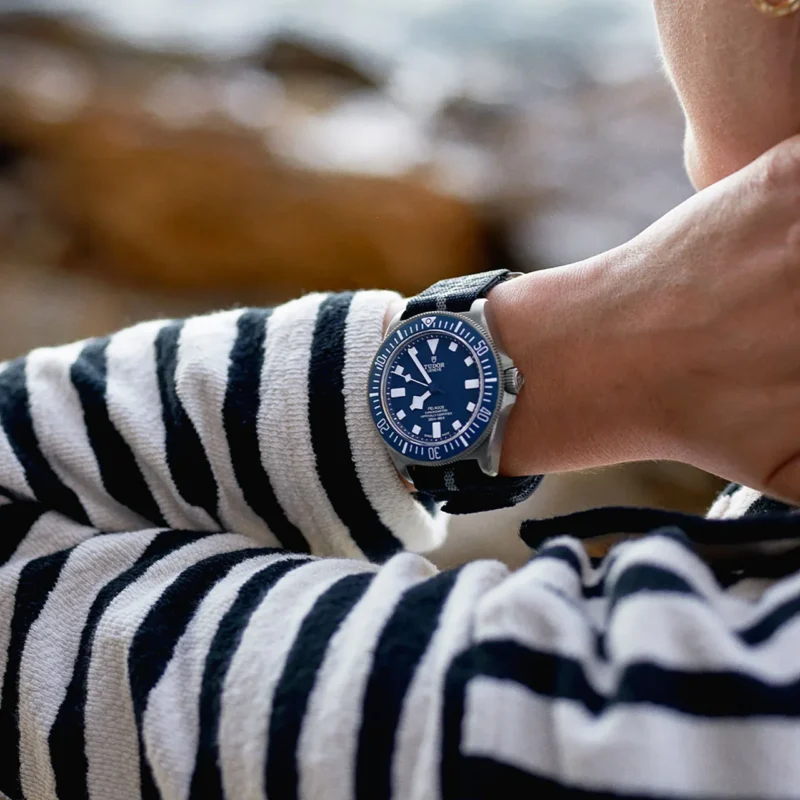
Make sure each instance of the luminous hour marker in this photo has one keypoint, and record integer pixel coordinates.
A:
(472, 383)
(437, 430)
(401, 392)
(470, 407)
(401, 414)
(415, 430)
(453, 346)
(468, 361)
(398, 370)
(456, 424)
(433, 344)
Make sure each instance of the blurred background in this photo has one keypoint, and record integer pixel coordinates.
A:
(167, 157)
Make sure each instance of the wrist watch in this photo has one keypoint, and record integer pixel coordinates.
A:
(441, 390)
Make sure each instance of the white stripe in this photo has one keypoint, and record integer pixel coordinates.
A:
(256, 668)
(202, 381)
(284, 434)
(134, 407)
(415, 766)
(631, 748)
(50, 533)
(396, 507)
(58, 420)
(672, 630)
(329, 737)
(738, 503)
(682, 633)
(52, 646)
(171, 721)
(112, 745)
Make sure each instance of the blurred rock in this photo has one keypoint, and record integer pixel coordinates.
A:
(305, 59)
(157, 182)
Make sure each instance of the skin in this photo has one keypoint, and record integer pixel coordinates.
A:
(683, 343)
(737, 75)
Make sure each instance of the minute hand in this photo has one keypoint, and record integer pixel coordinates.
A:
(420, 367)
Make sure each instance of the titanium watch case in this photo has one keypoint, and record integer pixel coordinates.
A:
(486, 450)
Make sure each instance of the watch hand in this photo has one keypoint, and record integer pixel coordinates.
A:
(414, 380)
(414, 358)
(418, 402)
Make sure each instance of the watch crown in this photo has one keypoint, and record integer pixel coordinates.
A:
(513, 380)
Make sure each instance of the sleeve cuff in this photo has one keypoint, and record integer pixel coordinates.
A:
(397, 508)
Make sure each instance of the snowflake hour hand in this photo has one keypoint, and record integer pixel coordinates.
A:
(417, 403)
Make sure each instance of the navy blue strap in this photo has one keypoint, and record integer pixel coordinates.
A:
(466, 489)
(463, 486)
(455, 294)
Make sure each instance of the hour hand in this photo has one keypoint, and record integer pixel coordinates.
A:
(418, 402)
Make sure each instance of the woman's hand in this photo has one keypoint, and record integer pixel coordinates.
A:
(683, 344)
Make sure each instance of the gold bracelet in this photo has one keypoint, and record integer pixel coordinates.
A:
(777, 8)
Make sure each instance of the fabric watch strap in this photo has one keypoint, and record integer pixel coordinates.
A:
(463, 486)
(455, 294)
(466, 489)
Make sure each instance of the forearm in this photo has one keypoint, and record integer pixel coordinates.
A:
(252, 421)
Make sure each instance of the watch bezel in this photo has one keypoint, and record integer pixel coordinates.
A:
(405, 461)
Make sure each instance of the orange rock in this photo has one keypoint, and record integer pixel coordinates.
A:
(206, 205)
(198, 209)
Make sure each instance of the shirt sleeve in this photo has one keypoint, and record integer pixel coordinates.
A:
(254, 421)
(174, 664)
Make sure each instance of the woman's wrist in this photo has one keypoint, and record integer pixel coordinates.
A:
(585, 399)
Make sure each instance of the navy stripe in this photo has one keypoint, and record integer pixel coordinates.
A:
(67, 739)
(119, 472)
(481, 777)
(714, 694)
(15, 417)
(402, 644)
(641, 578)
(764, 505)
(36, 581)
(155, 640)
(187, 460)
(16, 521)
(207, 775)
(298, 678)
(633, 579)
(240, 419)
(327, 421)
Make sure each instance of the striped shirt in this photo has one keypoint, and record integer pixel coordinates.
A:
(210, 588)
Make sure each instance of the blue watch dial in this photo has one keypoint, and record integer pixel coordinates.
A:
(434, 387)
